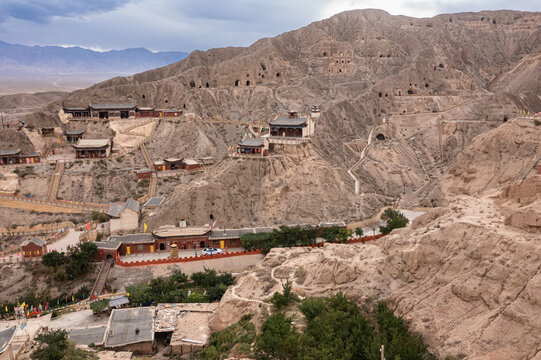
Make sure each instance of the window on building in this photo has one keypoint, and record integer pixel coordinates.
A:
(215, 242)
(140, 247)
(233, 241)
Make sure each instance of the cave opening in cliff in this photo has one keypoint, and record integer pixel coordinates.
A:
(236, 82)
(380, 137)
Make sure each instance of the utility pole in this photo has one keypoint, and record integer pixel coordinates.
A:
(382, 350)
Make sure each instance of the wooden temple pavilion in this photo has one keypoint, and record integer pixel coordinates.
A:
(77, 111)
(254, 146)
(72, 136)
(92, 148)
(292, 125)
(105, 111)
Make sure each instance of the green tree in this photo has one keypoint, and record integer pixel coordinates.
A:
(336, 234)
(53, 259)
(398, 341)
(278, 339)
(99, 216)
(359, 232)
(312, 307)
(284, 299)
(395, 219)
(99, 306)
(215, 293)
(52, 345)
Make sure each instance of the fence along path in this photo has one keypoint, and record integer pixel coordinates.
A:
(59, 205)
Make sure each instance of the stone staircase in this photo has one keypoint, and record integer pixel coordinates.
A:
(146, 155)
(55, 183)
(102, 277)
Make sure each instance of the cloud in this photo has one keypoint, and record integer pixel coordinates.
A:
(41, 11)
(186, 25)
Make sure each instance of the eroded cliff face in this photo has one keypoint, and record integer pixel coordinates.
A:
(467, 282)
(429, 85)
(495, 158)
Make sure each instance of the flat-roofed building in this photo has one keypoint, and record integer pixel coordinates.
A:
(6, 346)
(92, 148)
(131, 329)
(191, 164)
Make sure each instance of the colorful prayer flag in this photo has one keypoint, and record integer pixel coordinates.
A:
(145, 227)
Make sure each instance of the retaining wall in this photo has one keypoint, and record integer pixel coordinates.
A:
(220, 256)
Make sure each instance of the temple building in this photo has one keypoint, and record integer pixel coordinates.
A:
(184, 237)
(254, 146)
(8, 157)
(105, 111)
(34, 248)
(92, 148)
(15, 156)
(173, 164)
(72, 136)
(292, 126)
(30, 158)
(124, 216)
(77, 111)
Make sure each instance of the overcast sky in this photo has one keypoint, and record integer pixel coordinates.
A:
(185, 25)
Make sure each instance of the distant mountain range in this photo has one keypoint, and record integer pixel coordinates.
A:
(56, 60)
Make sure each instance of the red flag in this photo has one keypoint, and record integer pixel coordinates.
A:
(88, 225)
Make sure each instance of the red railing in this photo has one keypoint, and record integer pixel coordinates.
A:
(183, 259)
(137, 263)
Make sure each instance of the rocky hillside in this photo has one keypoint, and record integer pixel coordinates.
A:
(461, 277)
(429, 86)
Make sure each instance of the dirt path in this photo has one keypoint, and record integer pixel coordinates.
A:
(350, 171)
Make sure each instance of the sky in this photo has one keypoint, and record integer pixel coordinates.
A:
(186, 25)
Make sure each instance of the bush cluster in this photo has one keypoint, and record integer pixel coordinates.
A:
(73, 264)
(204, 286)
(54, 345)
(335, 329)
(285, 236)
